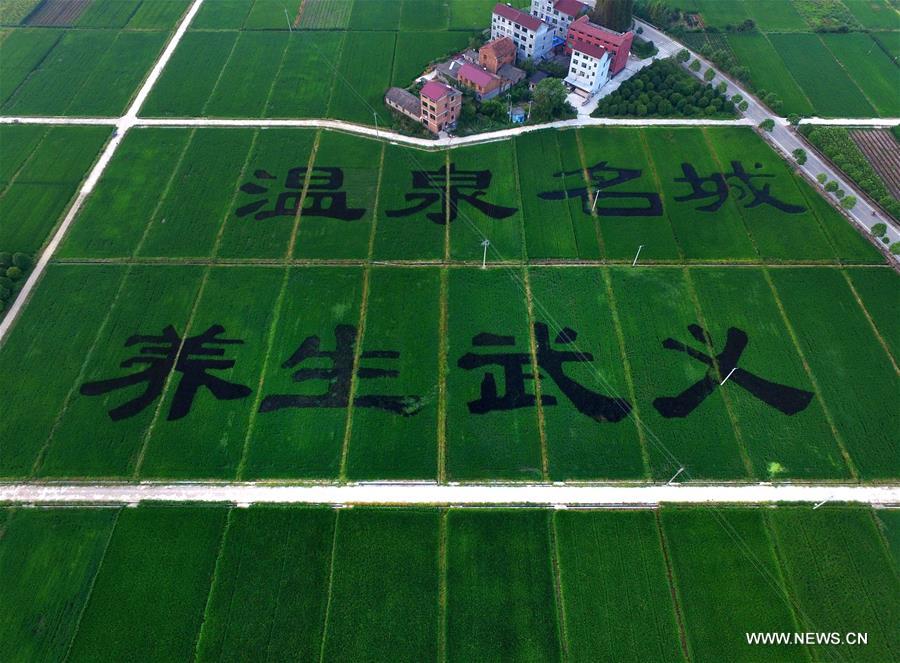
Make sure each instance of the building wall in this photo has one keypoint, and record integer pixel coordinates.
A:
(529, 43)
(544, 10)
(489, 60)
(588, 73)
(441, 114)
(619, 50)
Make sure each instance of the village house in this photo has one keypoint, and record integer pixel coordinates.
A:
(485, 84)
(532, 36)
(588, 68)
(559, 13)
(582, 32)
(437, 107)
(497, 53)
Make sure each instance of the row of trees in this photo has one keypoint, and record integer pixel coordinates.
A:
(13, 266)
(836, 144)
(614, 14)
(665, 90)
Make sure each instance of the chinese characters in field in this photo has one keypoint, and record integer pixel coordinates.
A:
(603, 189)
(190, 364)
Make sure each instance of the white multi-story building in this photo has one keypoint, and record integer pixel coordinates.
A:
(589, 68)
(559, 14)
(532, 36)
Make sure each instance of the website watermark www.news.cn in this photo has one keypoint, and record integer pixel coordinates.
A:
(808, 638)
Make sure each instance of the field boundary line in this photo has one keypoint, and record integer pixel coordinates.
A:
(673, 589)
(400, 493)
(334, 68)
(287, 45)
(601, 242)
(848, 460)
(442, 586)
(360, 333)
(204, 109)
(729, 408)
(645, 146)
(27, 160)
(90, 591)
(789, 72)
(840, 64)
(443, 352)
(299, 16)
(561, 621)
(213, 582)
(535, 370)
(42, 452)
(334, 539)
(784, 582)
(871, 320)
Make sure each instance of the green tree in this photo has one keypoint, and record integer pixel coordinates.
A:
(895, 248)
(695, 65)
(831, 187)
(767, 125)
(794, 119)
(549, 101)
(800, 155)
(14, 273)
(613, 14)
(849, 202)
(709, 74)
(683, 55)
(879, 229)
(822, 178)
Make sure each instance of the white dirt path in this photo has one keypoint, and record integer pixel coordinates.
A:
(408, 493)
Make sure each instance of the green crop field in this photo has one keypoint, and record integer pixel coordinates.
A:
(442, 584)
(295, 244)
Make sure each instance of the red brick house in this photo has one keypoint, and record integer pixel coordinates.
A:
(440, 106)
(497, 53)
(485, 84)
(617, 44)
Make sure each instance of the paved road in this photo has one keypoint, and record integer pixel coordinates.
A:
(786, 140)
(429, 494)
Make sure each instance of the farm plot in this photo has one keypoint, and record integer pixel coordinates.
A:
(13, 12)
(271, 15)
(828, 86)
(849, 586)
(615, 557)
(40, 178)
(375, 15)
(779, 438)
(774, 15)
(300, 89)
(296, 582)
(56, 13)
(717, 554)
(327, 14)
(424, 15)
(48, 560)
(108, 13)
(22, 51)
(784, 228)
(880, 148)
(768, 71)
(333, 225)
(500, 580)
(656, 304)
(415, 50)
(158, 14)
(873, 71)
(489, 435)
(271, 585)
(386, 568)
(361, 82)
(855, 378)
(85, 71)
(877, 288)
(299, 429)
(383, 445)
(407, 230)
(874, 14)
(470, 14)
(631, 213)
(476, 221)
(222, 15)
(703, 233)
(589, 433)
(148, 600)
(552, 230)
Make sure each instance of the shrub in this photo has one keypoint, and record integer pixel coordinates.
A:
(738, 98)
(767, 125)
(831, 187)
(695, 65)
(895, 248)
(14, 273)
(800, 155)
(5, 259)
(840, 193)
(709, 74)
(743, 106)
(879, 229)
(683, 55)
(722, 87)
(21, 261)
(822, 178)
